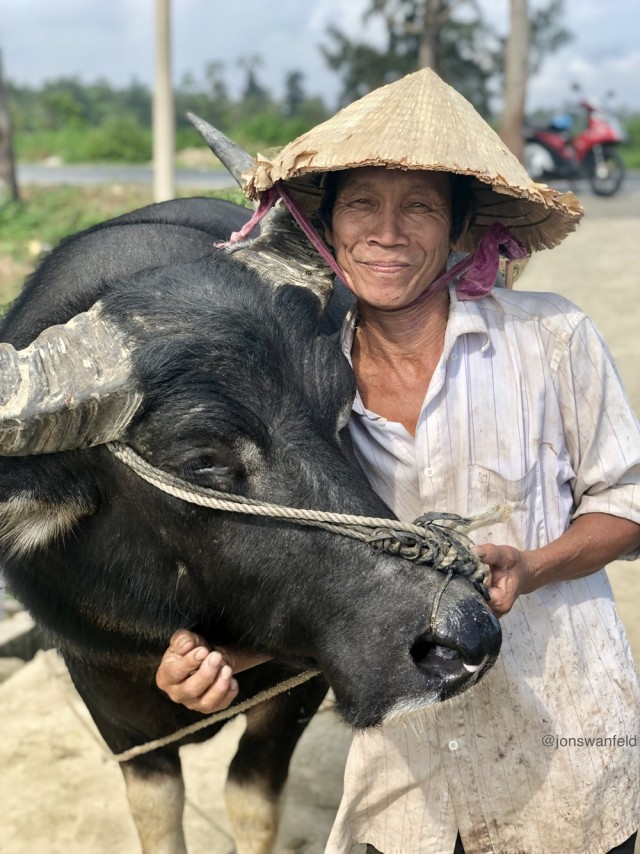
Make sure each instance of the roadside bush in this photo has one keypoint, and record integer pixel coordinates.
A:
(268, 130)
(631, 152)
(117, 138)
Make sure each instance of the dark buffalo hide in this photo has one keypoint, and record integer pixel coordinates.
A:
(239, 393)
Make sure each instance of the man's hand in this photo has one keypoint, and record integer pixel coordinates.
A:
(196, 676)
(591, 542)
(199, 677)
(511, 575)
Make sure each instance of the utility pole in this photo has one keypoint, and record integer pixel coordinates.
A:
(163, 112)
(7, 165)
(515, 78)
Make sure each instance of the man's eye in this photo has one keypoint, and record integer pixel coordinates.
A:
(421, 206)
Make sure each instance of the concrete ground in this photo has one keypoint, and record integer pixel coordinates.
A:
(60, 794)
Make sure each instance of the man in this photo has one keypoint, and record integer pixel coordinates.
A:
(469, 397)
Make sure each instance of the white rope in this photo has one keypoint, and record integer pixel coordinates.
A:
(359, 527)
(216, 500)
(216, 717)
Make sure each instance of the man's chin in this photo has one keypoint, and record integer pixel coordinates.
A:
(392, 302)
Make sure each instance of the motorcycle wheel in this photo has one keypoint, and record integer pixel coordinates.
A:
(606, 173)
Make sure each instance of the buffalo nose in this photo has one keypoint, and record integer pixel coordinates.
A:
(464, 650)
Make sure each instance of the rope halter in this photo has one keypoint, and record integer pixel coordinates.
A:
(437, 539)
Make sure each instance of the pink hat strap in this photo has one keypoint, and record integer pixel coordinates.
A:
(476, 272)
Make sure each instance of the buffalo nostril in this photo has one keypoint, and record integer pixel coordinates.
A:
(437, 658)
(434, 657)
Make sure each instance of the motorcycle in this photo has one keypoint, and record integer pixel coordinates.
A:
(559, 151)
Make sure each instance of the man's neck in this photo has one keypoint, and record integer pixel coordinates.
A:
(394, 356)
(413, 335)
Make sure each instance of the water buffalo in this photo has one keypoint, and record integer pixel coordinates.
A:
(208, 364)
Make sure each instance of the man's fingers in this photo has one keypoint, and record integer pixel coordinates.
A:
(221, 694)
(211, 688)
(184, 641)
(211, 669)
(175, 668)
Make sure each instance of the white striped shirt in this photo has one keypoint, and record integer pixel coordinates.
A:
(525, 406)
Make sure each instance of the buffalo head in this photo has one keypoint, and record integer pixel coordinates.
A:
(213, 370)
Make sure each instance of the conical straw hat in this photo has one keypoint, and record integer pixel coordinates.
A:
(419, 122)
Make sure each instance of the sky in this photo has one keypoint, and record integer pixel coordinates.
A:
(44, 40)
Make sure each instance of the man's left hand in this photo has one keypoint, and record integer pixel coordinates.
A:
(511, 575)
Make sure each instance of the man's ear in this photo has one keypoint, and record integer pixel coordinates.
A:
(328, 236)
(455, 245)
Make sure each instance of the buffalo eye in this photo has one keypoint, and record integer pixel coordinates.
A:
(206, 470)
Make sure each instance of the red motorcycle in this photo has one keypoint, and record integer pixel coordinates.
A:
(563, 149)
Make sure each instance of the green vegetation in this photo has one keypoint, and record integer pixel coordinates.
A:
(96, 123)
(455, 37)
(631, 152)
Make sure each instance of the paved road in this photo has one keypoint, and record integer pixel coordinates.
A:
(87, 174)
(83, 174)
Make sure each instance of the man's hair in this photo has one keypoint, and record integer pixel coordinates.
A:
(463, 202)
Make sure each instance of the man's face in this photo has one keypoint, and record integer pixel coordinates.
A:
(390, 232)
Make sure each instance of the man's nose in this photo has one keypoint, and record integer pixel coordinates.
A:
(386, 228)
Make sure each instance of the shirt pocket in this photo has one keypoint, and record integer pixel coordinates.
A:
(524, 528)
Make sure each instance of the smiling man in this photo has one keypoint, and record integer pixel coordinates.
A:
(469, 396)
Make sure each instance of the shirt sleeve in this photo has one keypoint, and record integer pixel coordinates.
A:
(601, 431)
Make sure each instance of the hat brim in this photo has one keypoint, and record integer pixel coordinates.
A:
(421, 123)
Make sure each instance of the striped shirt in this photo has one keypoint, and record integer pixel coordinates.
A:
(543, 755)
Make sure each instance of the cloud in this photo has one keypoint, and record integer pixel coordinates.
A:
(114, 40)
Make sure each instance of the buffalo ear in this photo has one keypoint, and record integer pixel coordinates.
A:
(42, 499)
(299, 308)
(28, 524)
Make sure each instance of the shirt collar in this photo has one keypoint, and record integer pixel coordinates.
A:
(465, 318)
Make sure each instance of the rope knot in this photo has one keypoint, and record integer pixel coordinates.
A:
(437, 544)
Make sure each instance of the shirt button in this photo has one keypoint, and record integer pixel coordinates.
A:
(454, 356)
(429, 472)
(382, 421)
(453, 745)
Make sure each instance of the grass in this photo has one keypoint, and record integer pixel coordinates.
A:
(46, 215)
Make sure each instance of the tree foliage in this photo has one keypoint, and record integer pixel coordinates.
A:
(548, 34)
(451, 36)
(80, 121)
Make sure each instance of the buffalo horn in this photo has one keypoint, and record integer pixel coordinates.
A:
(70, 388)
(282, 254)
(234, 159)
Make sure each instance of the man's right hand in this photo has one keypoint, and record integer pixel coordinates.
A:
(196, 676)
(201, 678)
